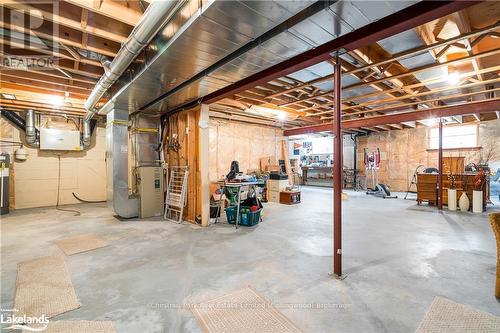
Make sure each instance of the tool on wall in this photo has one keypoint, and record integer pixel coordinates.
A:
(372, 164)
(175, 200)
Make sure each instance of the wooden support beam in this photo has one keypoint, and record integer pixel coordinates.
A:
(406, 105)
(111, 9)
(416, 86)
(203, 157)
(399, 56)
(486, 106)
(27, 77)
(60, 53)
(97, 46)
(80, 25)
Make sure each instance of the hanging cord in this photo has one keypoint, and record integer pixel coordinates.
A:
(77, 213)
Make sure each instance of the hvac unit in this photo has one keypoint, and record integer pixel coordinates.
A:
(56, 139)
(150, 184)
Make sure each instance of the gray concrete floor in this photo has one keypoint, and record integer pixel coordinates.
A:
(397, 258)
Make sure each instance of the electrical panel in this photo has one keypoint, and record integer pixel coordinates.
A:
(56, 139)
(150, 185)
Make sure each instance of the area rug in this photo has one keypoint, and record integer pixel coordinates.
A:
(81, 243)
(43, 287)
(241, 311)
(78, 327)
(445, 316)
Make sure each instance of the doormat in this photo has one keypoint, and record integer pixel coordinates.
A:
(81, 243)
(43, 287)
(78, 327)
(241, 311)
(445, 316)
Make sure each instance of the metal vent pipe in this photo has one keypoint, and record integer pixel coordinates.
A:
(149, 25)
(31, 132)
(27, 126)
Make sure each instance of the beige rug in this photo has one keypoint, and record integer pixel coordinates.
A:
(445, 316)
(241, 311)
(81, 243)
(78, 327)
(43, 287)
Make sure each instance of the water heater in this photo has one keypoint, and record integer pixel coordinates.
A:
(150, 185)
(4, 183)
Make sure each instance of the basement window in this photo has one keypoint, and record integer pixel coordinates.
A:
(454, 137)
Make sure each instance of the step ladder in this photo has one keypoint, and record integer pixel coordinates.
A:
(176, 197)
(413, 182)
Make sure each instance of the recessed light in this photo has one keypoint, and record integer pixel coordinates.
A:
(8, 96)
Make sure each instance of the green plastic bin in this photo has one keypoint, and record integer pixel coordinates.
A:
(247, 217)
(231, 214)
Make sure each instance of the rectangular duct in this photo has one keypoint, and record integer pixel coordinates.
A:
(117, 166)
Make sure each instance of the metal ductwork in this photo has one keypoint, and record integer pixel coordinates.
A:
(117, 120)
(27, 126)
(87, 131)
(150, 23)
(117, 168)
(31, 131)
(86, 134)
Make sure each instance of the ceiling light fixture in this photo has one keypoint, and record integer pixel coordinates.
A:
(56, 100)
(8, 96)
(453, 78)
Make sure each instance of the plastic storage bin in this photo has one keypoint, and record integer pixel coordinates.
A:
(247, 217)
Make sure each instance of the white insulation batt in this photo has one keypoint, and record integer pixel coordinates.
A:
(245, 143)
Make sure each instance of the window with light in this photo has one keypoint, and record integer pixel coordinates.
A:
(463, 136)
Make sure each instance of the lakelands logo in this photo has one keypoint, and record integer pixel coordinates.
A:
(24, 322)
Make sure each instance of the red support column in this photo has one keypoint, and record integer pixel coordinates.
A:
(440, 166)
(337, 171)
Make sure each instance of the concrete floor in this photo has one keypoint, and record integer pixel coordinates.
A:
(397, 258)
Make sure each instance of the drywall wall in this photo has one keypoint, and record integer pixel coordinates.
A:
(36, 179)
(403, 150)
(245, 143)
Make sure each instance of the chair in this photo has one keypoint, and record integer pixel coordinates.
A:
(495, 225)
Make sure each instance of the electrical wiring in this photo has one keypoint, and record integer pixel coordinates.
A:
(77, 213)
(87, 201)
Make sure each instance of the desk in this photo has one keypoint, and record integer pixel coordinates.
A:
(237, 186)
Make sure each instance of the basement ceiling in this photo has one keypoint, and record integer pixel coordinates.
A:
(181, 63)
